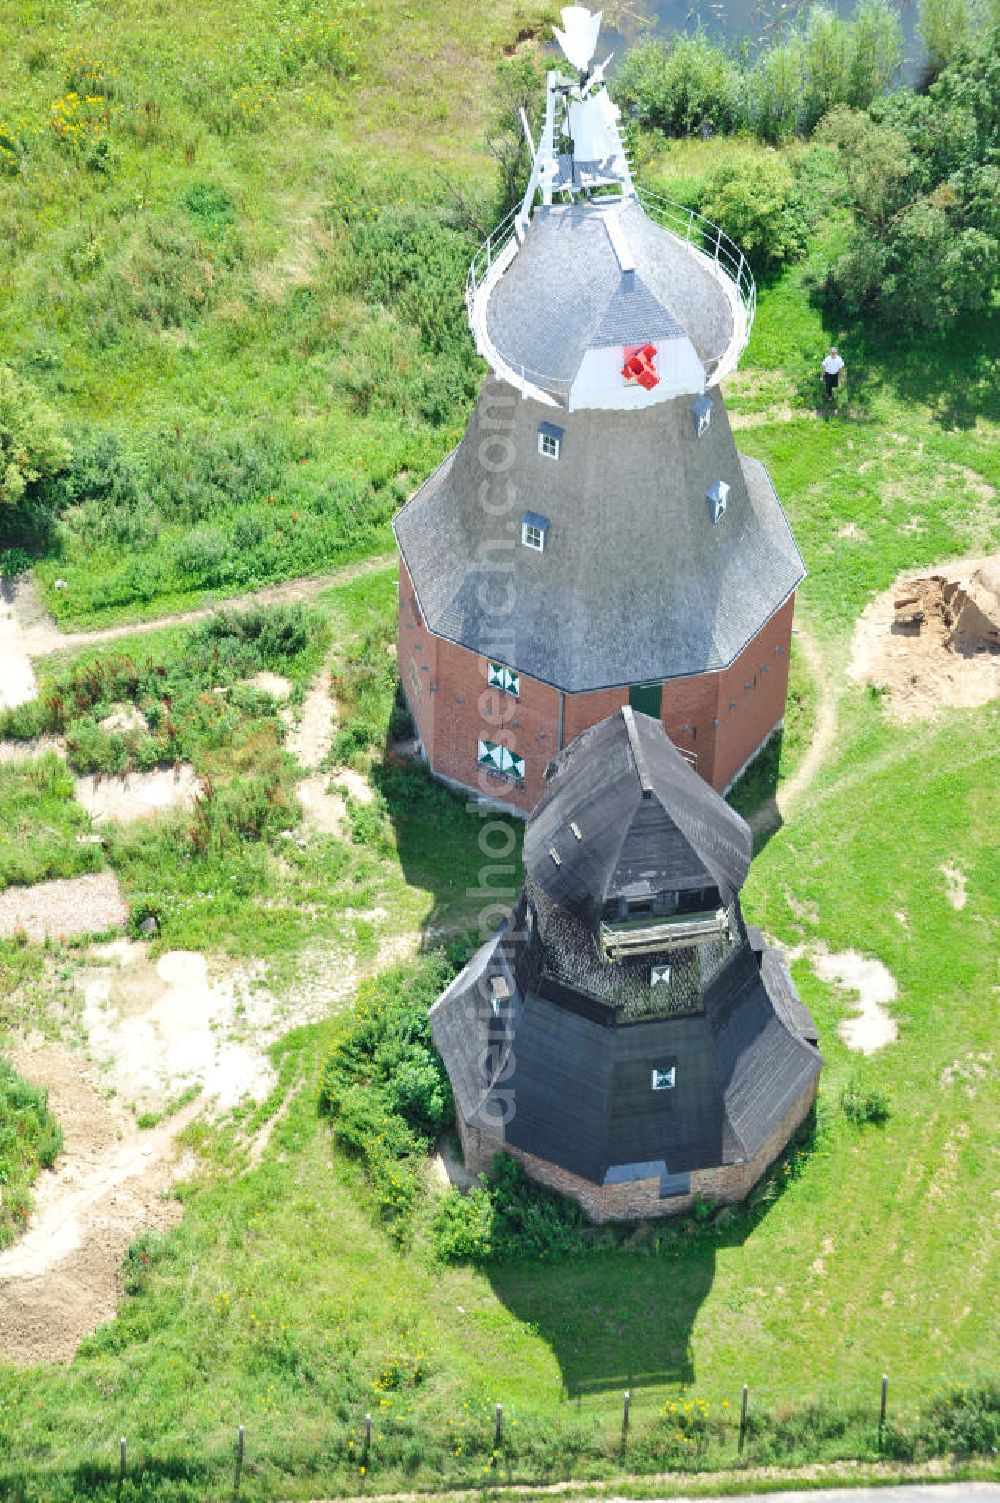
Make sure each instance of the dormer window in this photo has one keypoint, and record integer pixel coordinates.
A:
(659, 975)
(549, 440)
(701, 415)
(533, 531)
(499, 677)
(717, 497)
(664, 1079)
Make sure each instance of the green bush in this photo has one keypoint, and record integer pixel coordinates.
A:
(506, 1217)
(384, 1085)
(202, 556)
(681, 85)
(33, 447)
(756, 202)
(30, 1139)
(274, 633)
(863, 1103)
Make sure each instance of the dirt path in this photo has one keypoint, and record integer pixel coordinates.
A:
(39, 634)
(777, 809)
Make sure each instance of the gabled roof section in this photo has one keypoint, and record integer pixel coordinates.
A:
(646, 821)
(633, 314)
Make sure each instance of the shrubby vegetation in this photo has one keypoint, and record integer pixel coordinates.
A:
(33, 447)
(30, 1139)
(688, 84)
(918, 171)
(863, 1102)
(922, 175)
(505, 1216)
(385, 1087)
(43, 830)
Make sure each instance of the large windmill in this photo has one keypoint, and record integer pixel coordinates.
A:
(595, 539)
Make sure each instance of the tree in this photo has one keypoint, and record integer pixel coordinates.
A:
(520, 85)
(682, 85)
(33, 446)
(876, 51)
(944, 27)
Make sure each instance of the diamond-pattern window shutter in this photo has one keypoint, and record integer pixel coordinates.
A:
(499, 677)
(501, 760)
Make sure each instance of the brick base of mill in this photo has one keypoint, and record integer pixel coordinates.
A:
(718, 720)
(640, 1200)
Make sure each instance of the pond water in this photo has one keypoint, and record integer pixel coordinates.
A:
(759, 21)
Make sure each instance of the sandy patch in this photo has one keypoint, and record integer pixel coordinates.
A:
(309, 741)
(17, 678)
(323, 810)
(873, 1027)
(954, 883)
(62, 1278)
(271, 683)
(159, 1029)
(20, 751)
(933, 640)
(358, 786)
(970, 1070)
(851, 533)
(448, 1171)
(138, 795)
(67, 906)
(782, 413)
(125, 717)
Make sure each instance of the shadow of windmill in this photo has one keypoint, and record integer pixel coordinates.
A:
(620, 1315)
(439, 835)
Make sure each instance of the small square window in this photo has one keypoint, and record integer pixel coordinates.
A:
(533, 530)
(659, 975)
(701, 415)
(664, 1080)
(549, 440)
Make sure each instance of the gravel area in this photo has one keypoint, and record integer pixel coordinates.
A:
(74, 905)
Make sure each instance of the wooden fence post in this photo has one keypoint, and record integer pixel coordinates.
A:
(366, 1450)
(743, 1416)
(498, 1429)
(238, 1475)
(625, 1408)
(882, 1407)
(122, 1456)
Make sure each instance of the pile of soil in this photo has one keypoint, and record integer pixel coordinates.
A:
(933, 640)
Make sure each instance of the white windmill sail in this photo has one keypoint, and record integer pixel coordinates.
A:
(579, 39)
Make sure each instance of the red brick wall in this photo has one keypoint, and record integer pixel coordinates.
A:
(640, 1198)
(758, 708)
(453, 707)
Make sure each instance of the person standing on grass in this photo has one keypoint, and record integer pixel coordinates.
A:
(831, 368)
